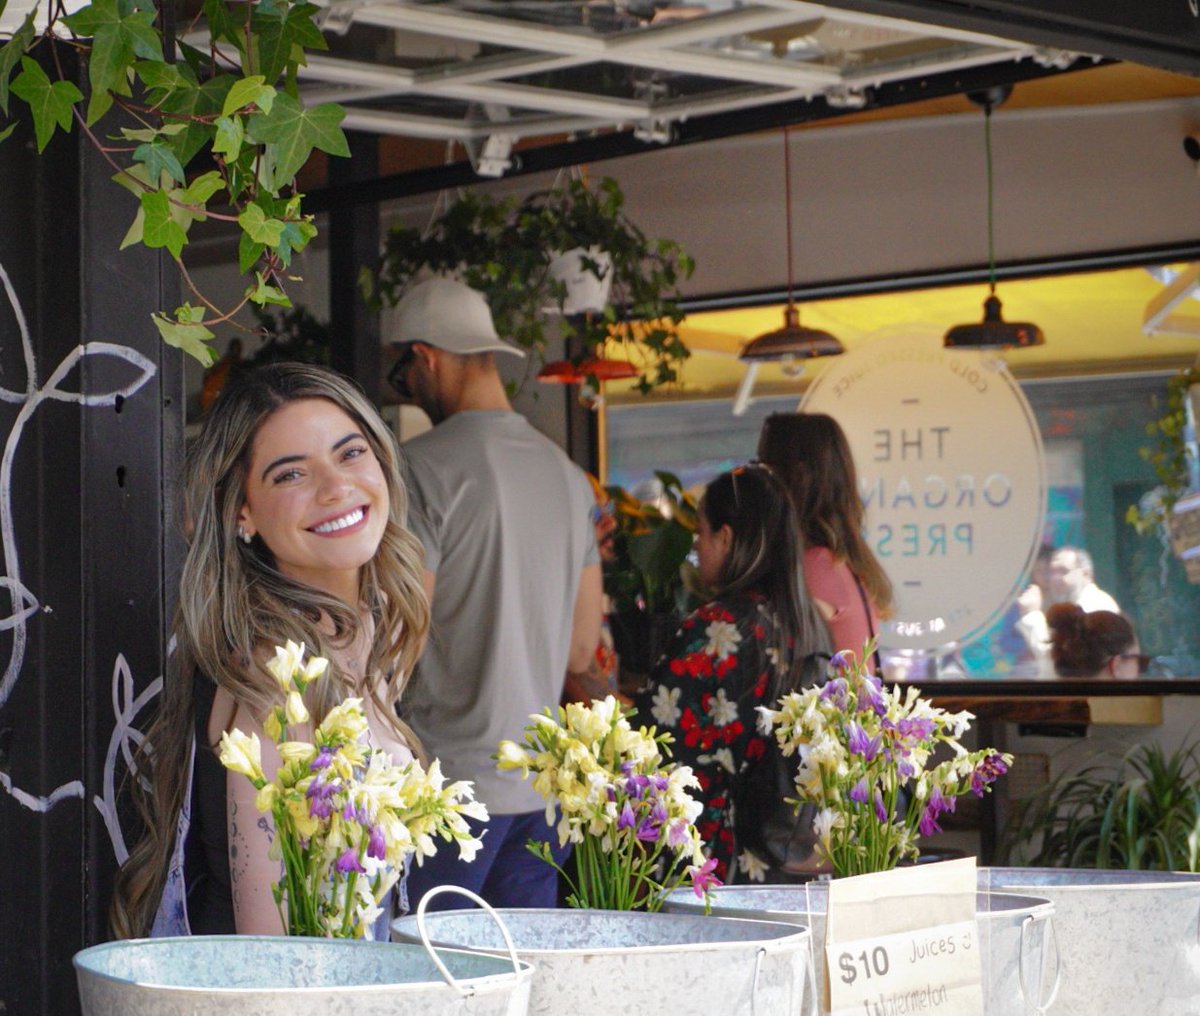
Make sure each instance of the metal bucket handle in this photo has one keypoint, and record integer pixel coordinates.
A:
(1041, 1005)
(429, 947)
(810, 980)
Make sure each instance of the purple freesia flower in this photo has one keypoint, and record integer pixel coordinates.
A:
(860, 743)
(990, 767)
(870, 696)
(348, 861)
(324, 757)
(627, 819)
(841, 661)
(377, 844)
(835, 692)
(861, 791)
(677, 834)
(915, 730)
(703, 878)
(880, 811)
(319, 796)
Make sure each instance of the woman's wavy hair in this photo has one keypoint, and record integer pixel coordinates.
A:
(235, 604)
(764, 557)
(810, 454)
(1082, 643)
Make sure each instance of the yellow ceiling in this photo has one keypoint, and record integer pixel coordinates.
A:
(1092, 323)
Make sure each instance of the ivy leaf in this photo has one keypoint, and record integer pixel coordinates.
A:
(259, 228)
(229, 136)
(49, 103)
(221, 25)
(117, 40)
(10, 53)
(264, 293)
(202, 188)
(162, 80)
(158, 158)
(248, 252)
(295, 131)
(249, 92)
(283, 35)
(293, 239)
(190, 102)
(8, 130)
(187, 332)
(160, 229)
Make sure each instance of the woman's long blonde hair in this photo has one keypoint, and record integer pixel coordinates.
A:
(234, 604)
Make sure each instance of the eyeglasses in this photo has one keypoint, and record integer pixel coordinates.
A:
(395, 376)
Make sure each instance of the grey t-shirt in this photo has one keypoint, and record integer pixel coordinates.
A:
(505, 519)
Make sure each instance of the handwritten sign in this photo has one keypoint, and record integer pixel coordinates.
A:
(952, 475)
(905, 941)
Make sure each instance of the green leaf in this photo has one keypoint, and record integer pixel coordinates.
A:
(135, 179)
(136, 230)
(163, 80)
(264, 293)
(159, 158)
(248, 252)
(11, 52)
(161, 229)
(222, 26)
(229, 136)
(195, 102)
(295, 131)
(187, 333)
(8, 130)
(49, 103)
(249, 92)
(119, 36)
(294, 238)
(258, 227)
(202, 188)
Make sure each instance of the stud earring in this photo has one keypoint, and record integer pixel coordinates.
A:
(244, 536)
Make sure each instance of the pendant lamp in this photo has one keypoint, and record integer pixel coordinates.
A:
(792, 344)
(993, 332)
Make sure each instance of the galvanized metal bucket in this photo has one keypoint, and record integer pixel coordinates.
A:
(1130, 940)
(271, 975)
(596, 962)
(1019, 967)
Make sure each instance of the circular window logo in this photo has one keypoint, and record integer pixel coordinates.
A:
(952, 474)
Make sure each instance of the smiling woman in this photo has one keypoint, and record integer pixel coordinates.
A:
(296, 517)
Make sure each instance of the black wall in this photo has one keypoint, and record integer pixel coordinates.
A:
(87, 462)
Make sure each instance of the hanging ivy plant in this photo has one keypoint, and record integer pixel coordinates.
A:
(504, 248)
(218, 134)
(1167, 454)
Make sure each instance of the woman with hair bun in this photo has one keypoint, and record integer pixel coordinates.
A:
(1097, 644)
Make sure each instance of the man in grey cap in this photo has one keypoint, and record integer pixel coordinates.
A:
(513, 577)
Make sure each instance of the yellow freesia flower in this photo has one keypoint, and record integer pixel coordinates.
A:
(284, 664)
(242, 753)
(295, 710)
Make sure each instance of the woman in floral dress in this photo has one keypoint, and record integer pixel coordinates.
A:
(749, 644)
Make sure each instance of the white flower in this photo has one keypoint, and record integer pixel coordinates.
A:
(723, 757)
(665, 709)
(723, 639)
(721, 709)
(752, 866)
(285, 663)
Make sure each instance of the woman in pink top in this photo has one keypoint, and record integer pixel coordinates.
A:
(810, 454)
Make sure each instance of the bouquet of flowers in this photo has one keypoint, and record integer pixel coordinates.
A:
(864, 762)
(347, 818)
(628, 814)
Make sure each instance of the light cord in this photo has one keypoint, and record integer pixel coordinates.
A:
(987, 145)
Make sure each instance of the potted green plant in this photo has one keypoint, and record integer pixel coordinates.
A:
(649, 581)
(514, 251)
(1174, 505)
(1140, 810)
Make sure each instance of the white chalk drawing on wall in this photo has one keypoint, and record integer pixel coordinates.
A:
(24, 602)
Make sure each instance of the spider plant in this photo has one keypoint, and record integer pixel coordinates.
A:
(1140, 810)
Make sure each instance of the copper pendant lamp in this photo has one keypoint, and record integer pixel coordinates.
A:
(993, 332)
(793, 342)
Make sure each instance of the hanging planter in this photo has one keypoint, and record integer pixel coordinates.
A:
(524, 256)
(585, 273)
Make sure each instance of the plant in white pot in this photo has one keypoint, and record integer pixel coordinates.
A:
(520, 255)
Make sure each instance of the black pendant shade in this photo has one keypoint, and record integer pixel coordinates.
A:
(791, 342)
(993, 332)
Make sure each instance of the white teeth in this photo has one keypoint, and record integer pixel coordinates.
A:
(346, 520)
